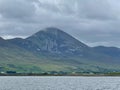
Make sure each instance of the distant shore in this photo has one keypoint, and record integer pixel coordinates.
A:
(94, 75)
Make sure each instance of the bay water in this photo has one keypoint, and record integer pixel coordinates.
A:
(59, 83)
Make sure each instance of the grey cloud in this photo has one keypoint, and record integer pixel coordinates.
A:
(94, 22)
(16, 8)
(97, 9)
(91, 9)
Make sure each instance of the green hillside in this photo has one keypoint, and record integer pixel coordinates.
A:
(52, 50)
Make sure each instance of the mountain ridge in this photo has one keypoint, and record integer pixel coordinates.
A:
(52, 49)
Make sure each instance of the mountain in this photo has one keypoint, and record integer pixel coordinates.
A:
(52, 49)
(5, 43)
(110, 51)
(56, 41)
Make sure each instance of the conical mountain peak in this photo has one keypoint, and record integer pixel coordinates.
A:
(53, 29)
(49, 30)
(56, 41)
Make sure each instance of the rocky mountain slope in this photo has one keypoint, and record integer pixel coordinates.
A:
(52, 49)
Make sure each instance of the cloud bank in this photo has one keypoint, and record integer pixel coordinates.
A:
(95, 22)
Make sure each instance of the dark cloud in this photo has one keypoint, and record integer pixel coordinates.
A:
(16, 8)
(97, 9)
(95, 22)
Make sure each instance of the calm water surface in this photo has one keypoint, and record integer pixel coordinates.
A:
(59, 83)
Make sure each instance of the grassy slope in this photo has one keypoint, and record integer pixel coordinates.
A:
(20, 60)
(23, 61)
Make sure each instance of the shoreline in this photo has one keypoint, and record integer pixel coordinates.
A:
(66, 75)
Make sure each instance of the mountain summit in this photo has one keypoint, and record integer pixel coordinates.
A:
(54, 40)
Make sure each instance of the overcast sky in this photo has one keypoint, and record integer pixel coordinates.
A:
(95, 22)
